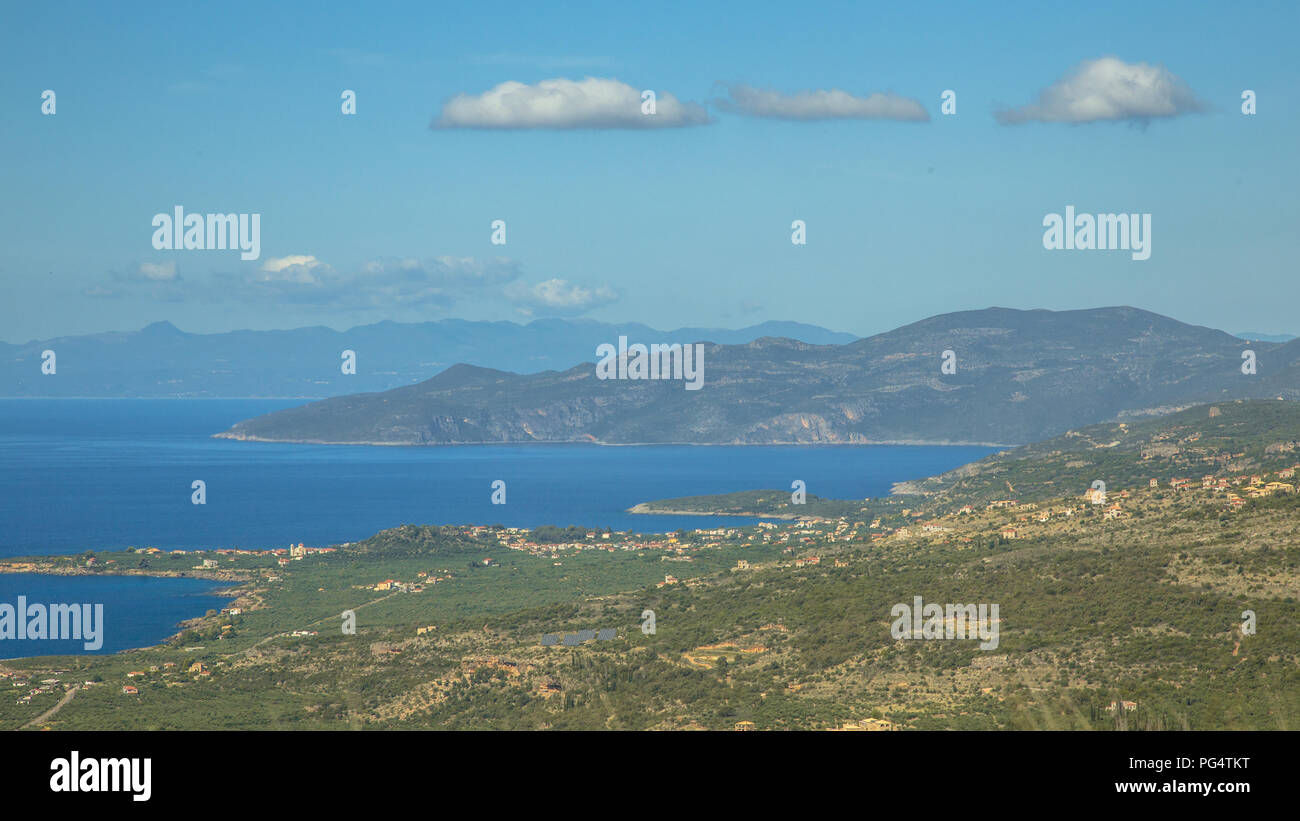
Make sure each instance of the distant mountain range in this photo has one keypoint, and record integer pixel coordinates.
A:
(1019, 376)
(163, 361)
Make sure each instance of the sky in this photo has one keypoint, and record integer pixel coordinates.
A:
(533, 114)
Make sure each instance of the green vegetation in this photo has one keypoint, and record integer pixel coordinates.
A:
(1228, 438)
(786, 625)
(767, 504)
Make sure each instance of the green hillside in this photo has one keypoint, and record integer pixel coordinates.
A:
(1017, 376)
(1163, 609)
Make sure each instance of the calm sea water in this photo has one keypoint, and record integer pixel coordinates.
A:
(96, 474)
(138, 611)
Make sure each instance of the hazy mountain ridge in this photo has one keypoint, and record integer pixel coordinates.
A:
(1020, 376)
(163, 361)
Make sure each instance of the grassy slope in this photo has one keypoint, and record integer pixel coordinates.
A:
(1147, 608)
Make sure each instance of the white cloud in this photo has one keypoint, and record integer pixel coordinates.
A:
(590, 103)
(300, 268)
(161, 280)
(158, 272)
(381, 284)
(277, 264)
(1107, 89)
(821, 105)
(558, 296)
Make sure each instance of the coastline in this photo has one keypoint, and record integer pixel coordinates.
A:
(38, 568)
(643, 508)
(42, 566)
(243, 437)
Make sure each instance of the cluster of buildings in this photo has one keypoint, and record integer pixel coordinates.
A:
(802, 532)
(519, 538)
(45, 687)
(423, 578)
(166, 673)
(1256, 486)
(283, 555)
(1238, 490)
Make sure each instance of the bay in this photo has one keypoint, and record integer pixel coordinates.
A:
(99, 474)
(138, 611)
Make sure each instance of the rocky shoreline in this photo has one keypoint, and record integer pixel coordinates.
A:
(588, 440)
(644, 508)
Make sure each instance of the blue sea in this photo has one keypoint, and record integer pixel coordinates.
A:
(97, 474)
(138, 611)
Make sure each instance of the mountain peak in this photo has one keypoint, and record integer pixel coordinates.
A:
(1020, 376)
(463, 375)
(160, 328)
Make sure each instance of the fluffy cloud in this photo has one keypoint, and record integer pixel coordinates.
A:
(821, 105)
(157, 272)
(300, 268)
(1107, 89)
(590, 103)
(160, 280)
(380, 285)
(558, 296)
(383, 283)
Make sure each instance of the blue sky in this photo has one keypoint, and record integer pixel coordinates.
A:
(235, 108)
